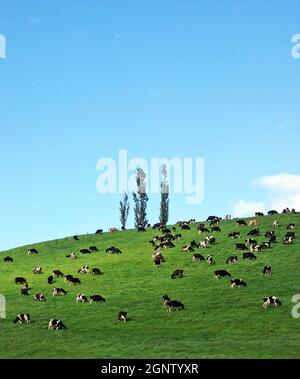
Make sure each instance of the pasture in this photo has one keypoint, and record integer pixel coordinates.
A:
(217, 322)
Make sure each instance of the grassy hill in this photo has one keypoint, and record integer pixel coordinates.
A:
(217, 322)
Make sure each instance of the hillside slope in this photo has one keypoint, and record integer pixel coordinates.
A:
(217, 322)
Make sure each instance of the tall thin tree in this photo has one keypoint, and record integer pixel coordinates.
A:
(124, 210)
(164, 200)
(140, 199)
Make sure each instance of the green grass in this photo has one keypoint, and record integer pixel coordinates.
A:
(217, 322)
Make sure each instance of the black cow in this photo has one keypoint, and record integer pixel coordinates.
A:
(272, 212)
(194, 245)
(198, 257)
(22, 318)
(96, 299)
(215, 229)
(122, 316)
(253, 232)
(241, 246)
(234, 235)
(271, 301)
(76, 238)
(68, 278)
(259, 214)
(267, 270)
(240, 223)
(8, 259)
(85, 251)
(249, 256)
(177, 274)
(96, 271)
(269, 233)
(56, 324)
(204, 230)
(290, 234)
(251, 241)
(50, 279)
(20, 280)
(232, 259)
(185, 227)
(57, 273)
(237, 283)
(99, 231)
(221, 274)
(272, 239)
(113, 250)
(174, 305)
(157, 262)
(93, 249)
(74, 281)
(141, 229)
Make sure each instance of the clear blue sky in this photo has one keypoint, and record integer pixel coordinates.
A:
(211, 79)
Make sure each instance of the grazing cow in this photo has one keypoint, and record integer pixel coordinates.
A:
(253, 232)
(237, 283)
(96, 299)
(39, 297)
(177, 274)
(68, 278)
(81, 298)
(286, 210)
(96, 271)
(267, 270)
(290, 234)
(58, 292)
(288, 240)
(165, 299)
(214, 222)
(275, 224)
(249, 256)
(113, 250)
(159, 256)
(156, 225)
(272, 239)
(99, 231)
(187, 249)
(210, 260)
(177, 236)
(256, 248)
(194, 245)
(24, 291)
(157, 262)
(93, 249)
(266, 245)
(141, 229)
(122, 316)
(74, 281)
(198, 257)
(174, 305)
(76, 238)
(234, 235)
(221, 274)
(269, 233)
(272, 212)
(22, 318)
(258, 214)
(50, 279)
(165, 244)
(32, 251)
(8, 259)
(215, 229)
(250, 241)
(113, 230)
(240, 223)
(57, 273)
(56, 325)
(83, 270)
(185, 227)
(203, 230)
(253, 223)
(271, 301)
(201, 226)
(203, 244)
(241, 246)
(72, 255)
(232, 260)
(291, 226)
(85, 251)
(37, 270)
(20, 280)
(210, 239)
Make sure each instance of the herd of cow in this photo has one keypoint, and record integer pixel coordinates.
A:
(167, 240)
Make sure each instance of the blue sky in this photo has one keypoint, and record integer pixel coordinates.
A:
(210, 79)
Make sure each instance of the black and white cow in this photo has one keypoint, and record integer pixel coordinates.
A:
(174, 305)
(56, 324)
(187, 249)
(203, 230)
(240, 223)
(198, 257)
(58, 292)
(234, 235)
(22, 318)
(32, 251)
(93, 249)
(74, 281)
(272, 212)
(39, 297)
(83, 270)
(71, 255)
(97, 299)
(253, 232)
(267, 270)
(241, 246)
(194, 245)
(257, 214)
(251, 241)
(37, 270)
(232, 260)
(215, 229)
(122, 316)
(25, 290)
(20, 280)
(113, 250)
(249, 256)
(269, 233)
(291, 226)
(57, 273)
(81, 298)
(271, 301)
(237, 283)
(221, 274)
(210, 260)
(177, 274)
(288, 240)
